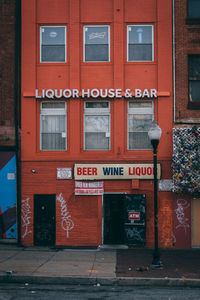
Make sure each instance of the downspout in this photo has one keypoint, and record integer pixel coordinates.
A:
(17, 91)
(173, 54)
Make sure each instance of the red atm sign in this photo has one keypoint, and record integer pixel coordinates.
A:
(134, 215)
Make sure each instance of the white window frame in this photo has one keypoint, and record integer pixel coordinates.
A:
(143, 25)
(97, 112)
(60, 62)
(84, 30)
(53, 112)
(138, 111)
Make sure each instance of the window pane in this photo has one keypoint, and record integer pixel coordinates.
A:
(96, 52)
(139, 140)
(140, 34)
(53, 53)
(194, 8)
(97, 124)
(96, 35)
(194, 67)
(53, 141)
(140, 104)
(140, 52)
(96, 141)
(97, 104)
(53, 35)
(194, 91)
(53, 124)
(52, 105)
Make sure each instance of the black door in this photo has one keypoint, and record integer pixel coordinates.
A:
(44, 220)
(113, 219)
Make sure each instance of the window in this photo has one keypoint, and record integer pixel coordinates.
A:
(140, 43)
(53, 44)
(97, 125)
(53, 126)
(194, 79)
(140, 117)
(193, 8)
(96, 43)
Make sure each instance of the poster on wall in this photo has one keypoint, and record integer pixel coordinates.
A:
(89, 188)
(8, 195)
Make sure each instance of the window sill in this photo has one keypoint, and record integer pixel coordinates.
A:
(192, 21)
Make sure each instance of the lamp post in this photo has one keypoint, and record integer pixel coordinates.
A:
(154, 134)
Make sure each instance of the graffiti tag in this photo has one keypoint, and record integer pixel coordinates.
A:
(67, 223)
(180, 214)
(26, 216)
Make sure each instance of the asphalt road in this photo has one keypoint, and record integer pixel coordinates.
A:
(79, 292)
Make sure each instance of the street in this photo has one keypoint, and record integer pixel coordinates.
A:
(89, 292)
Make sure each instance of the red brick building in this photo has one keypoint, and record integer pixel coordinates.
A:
(186, 162)
(94, 77)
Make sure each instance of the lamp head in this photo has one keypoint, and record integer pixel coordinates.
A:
(154, 134)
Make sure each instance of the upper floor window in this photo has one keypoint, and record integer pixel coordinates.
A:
(53, 126)
(96, 43)
(140, 43)
(140, 117)
(53, 43)
(97, 125)
(194, 80)
(193, 8)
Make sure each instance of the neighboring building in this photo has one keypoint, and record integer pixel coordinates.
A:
(8, 121)
(186, 133)
(86, 160)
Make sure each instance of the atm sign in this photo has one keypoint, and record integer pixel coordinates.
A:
(134, 215)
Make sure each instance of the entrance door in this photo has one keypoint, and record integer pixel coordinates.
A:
(44, 220)
(113, 219)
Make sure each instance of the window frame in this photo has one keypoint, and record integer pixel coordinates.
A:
(152, 48)
(84, 52)
(97, 112)
(65, 35)
(192, 104)
(55, 112)
(149, 110)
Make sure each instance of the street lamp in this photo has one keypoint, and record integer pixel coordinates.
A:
(154, 134)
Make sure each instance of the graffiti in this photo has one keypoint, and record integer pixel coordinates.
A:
(67, 223)
(97, 35)
(26, 216)
(183, 221)
(134, 233)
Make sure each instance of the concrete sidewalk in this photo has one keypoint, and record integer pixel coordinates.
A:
(95, 266)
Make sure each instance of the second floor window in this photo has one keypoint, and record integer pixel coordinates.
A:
(194, 79)
(140, 43)
(140, 117)
(193, 8)
(53, 44)
(96, 43)
(97, 125)
(53, 126)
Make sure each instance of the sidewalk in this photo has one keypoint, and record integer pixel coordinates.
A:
(99, 266)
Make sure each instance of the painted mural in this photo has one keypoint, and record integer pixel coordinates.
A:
(8, 228)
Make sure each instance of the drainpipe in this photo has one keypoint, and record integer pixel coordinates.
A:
(174, 72)
(17, 91)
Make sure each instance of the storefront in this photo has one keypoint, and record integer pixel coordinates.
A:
(94, 77)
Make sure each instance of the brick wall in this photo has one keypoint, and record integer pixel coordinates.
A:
(187, 41)
(7, 52)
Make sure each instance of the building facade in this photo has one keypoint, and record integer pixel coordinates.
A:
(94, 77)
(186, 132)
(8, 122)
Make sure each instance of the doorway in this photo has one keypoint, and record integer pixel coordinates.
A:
(113, 219)
(44, 220)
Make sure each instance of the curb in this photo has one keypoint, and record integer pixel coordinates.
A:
(119, 281)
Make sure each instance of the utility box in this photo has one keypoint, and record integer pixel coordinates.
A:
(135, 219)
